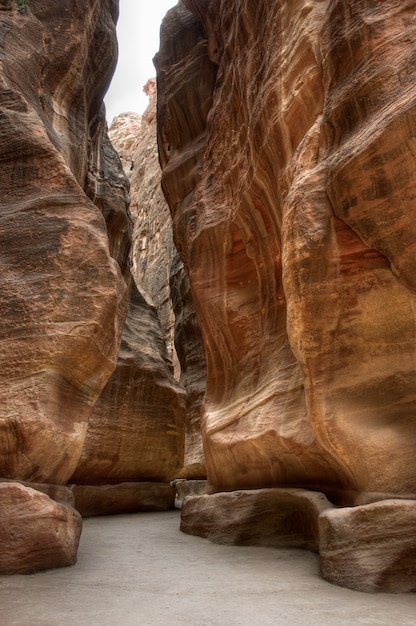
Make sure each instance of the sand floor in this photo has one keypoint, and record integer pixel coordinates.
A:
(141, 570)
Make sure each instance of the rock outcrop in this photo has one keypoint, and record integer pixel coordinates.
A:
(123, 134)
(64, 246)
(286, 518)
(136, 430)
(371, 547)
(129, 497)
(63, 299)
(286, 136)
(282, 146)
(36, 532)
(159, 272)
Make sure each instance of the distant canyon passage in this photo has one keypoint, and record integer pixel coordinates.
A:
(287, 139)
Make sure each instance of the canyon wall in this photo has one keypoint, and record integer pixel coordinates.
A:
(283, 250)
(87, 388)
(158, 270)
(63, 297)
(63, 300)
(286, 134)
(285, 137)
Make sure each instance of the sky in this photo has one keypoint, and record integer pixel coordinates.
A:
(138, 41)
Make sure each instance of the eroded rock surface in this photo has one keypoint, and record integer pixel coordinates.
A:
(158, 270)
(284, 518)
(286, 145)
(137, 427)
(286, 134)
(371, 547)
(123, 133)
(36, 533)
(130, 497)
(63, 298)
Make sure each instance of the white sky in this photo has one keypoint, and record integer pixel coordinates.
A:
(138, 41)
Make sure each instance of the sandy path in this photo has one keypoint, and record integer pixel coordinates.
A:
(141, 570)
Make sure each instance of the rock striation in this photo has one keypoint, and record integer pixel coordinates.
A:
(370, 547)
(135, 432)
(158, 270)
(134, 445)
(285, 135)
(128, 497)
(279, 518)
(64, 249)
(271, 151)
(36, 532)
(63, 299)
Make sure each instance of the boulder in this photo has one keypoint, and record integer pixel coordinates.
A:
(370, 547)
(36, 532)
(284, 518)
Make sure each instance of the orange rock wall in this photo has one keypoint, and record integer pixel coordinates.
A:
(285, 138)
(63, 298)
(158, 271)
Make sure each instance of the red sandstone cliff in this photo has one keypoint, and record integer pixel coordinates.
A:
(63, 297)
(285, 141)
(286, 136)
(156, 267)
(73, 404)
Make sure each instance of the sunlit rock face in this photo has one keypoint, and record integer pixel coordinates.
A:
(286, 135)
(159, 272)
(63, 298)
(123, 133)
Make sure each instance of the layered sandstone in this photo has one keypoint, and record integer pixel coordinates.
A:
(123, 134)
(285, 134)
(63, 299)
(64, 247)
(371, 547)
(279, 518)
(156, 267)
(126, 497)
(136, 430)
(36, 532)
(285, 141)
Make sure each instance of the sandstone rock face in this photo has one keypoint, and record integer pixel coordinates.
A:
(285, 136)
(130, 497)
(36, 533)
(152, 243)
(191, 356)
(370, 548)
(270, 517)
(156, 267)
(136, 432)
(185, 487)
(136, 429)
(123, 134)
(63, 298)
(58, 493)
